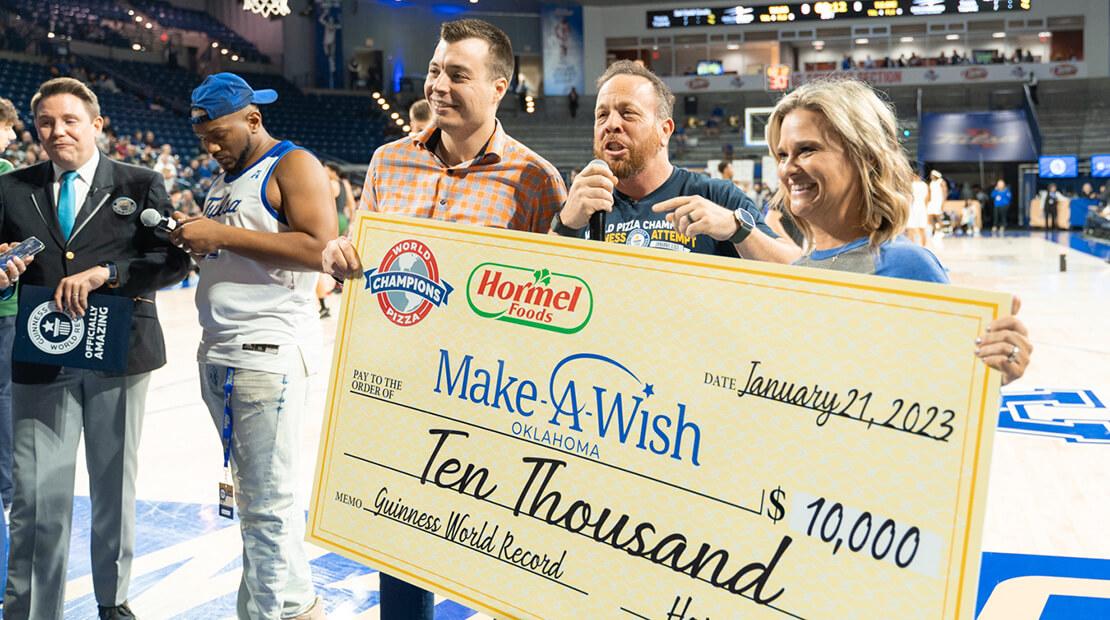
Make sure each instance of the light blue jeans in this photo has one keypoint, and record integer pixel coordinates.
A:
(266, 416)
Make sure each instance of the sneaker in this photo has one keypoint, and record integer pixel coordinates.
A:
(116, 613)
(325, 312)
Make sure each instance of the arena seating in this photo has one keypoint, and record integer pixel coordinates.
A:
(307, 119)
(169, 16)
(81, 21)
(18, 81)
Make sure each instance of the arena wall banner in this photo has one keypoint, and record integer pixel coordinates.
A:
(976, 136)
(563, 52)
(888, 77)
(542, 427)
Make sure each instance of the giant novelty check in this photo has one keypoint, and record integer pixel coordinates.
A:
(541, 427)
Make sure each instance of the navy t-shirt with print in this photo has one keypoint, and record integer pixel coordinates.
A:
(632, 222)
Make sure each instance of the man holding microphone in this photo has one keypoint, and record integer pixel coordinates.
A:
(646, 200)
(85, 208)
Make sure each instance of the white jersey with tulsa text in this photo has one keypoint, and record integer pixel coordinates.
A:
(255, 315)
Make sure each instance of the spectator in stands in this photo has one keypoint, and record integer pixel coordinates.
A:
(761, 195)
(1001, 198)
(520, 190)
(1051, 204)
(1088, 192)
(845, 178)
(9, 117)
(166, 165)
(713, 123)
(846, 63)
(187, 204)
(901, 60)
(642, 190)
(915, 60)
(572, 102)
(420, 117)
(522, 90)
(724, 168)
(353, 68)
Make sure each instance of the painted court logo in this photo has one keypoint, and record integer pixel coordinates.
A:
(407, 283)
(535, 297)
(53, 331)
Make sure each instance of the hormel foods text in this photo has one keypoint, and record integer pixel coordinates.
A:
(534, 297)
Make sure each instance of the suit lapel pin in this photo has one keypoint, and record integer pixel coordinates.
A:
(124, 205)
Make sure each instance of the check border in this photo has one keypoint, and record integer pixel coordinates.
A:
(391, 224)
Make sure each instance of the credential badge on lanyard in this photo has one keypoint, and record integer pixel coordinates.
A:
(227, 489)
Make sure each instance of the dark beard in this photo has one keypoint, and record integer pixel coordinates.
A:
(638, 156)
(241, 162)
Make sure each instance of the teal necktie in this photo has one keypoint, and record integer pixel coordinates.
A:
(67, 202)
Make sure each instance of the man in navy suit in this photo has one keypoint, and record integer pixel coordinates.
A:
(85, 208)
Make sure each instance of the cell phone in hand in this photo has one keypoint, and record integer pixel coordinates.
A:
(24, 249)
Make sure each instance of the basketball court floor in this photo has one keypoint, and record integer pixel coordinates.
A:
(1047, 537)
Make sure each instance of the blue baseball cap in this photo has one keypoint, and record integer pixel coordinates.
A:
(221, 94)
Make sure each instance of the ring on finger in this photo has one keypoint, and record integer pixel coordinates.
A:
(1012, 357)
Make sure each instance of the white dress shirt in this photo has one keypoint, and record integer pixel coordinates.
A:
(83, 182)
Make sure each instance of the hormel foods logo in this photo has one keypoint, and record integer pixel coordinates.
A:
(533, 297)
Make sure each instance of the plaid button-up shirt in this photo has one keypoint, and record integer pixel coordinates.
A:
(506, 186)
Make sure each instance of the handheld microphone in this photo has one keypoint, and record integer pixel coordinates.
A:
(597, 220)
(154, 219)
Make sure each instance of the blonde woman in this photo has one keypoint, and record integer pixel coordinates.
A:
(844, 178)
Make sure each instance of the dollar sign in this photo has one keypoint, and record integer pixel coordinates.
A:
(777, 511)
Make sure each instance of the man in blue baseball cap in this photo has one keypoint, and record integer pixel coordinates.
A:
(222, 95)
(266, 220)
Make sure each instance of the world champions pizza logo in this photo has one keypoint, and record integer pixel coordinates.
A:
(407, 283)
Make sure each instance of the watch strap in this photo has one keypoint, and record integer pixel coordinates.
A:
(743, 227)
(113, 274)
(562, 229)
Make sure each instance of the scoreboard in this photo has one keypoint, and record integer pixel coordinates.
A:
(826, 10)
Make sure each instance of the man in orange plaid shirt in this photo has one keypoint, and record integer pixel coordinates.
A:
(463, 168)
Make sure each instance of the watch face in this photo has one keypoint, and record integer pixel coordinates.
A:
(745, 218)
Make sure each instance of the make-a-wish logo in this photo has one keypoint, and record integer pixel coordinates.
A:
(407, 283)
(534, 297)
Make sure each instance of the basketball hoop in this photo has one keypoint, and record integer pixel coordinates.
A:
(266, 8)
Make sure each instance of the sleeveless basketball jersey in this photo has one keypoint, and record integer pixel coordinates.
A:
(254, 315)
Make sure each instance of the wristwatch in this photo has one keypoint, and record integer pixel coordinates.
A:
(560, 228)
(113, 276)
(745, 225)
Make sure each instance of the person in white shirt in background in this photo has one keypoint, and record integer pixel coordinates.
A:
(934, 210)
(166, 165)
(919, 220)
